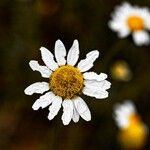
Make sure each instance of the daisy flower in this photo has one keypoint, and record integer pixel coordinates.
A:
(131, 19)
(67, 82)
(133, 132)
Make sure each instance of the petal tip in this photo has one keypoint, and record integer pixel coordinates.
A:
(65, 123)
(42, 48)
(35, 108)
(88, 119)
(58, 41)
(32, 61)
(97, 51)
(49, 117)
(27, 92)
(76, 41)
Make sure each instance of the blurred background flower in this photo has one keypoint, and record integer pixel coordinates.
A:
(132, 134)
(131, 19)
(25, 26)
(121, 71)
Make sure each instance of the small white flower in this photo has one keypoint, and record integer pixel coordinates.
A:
(67, 82)
(131, 19)
(126, 115)
(133, 132)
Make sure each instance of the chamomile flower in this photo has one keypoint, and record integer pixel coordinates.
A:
(133, 132)
(66, 82)
(128, 19)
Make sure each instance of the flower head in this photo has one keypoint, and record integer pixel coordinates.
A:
(133, 131)
(121, 71)
(67, 82)
(131, 19)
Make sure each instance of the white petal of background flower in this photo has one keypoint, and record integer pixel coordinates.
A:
(120, 27)
(82, 108)
(45, 72)
(122, 122)
(99, 94)
(55, 107)
(73, 53)
(60, 53)
(86, 64)
(38, 87)
(100, 85)
(94, 76)
(124, 7)
(67, 111)
(128, 107)
(146, 16)
(123, 32)
(48, 58)
(141, 38)
(118, 22)
(75, 116)
(43, 101)
(122, 112)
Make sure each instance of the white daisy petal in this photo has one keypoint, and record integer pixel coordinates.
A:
(73, 53)
(87, 63)
(45, 72)
(141, 38)
(82, 108)
(43, 101)
(97, 85)
(60, 52)
(48, 58)
(67, 111)
(38, 87)
(99, 94)
(94, 76)
(55, 107)
(75, 116)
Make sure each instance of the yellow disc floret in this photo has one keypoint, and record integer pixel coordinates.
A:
(66, 81)
(135, 23)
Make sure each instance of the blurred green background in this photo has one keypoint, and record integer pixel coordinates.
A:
(25, 26)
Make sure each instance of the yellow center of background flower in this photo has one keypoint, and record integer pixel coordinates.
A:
(135, 23)
(66, 81)
(134, 136)
(121, 71)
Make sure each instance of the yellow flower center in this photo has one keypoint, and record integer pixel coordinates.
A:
(121, 71)
(66, 81)
(134, 136)
(134, 119)
(135, 23)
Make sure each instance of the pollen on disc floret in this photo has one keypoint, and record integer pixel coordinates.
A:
(66, 81)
